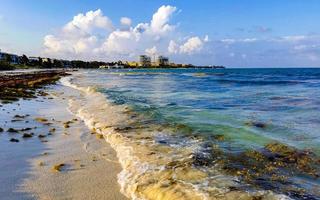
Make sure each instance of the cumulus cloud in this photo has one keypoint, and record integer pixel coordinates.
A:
(126, 21)
(88, 22)
(159, 22)
(192, 45)
(92, 35)
(152, 51)
(173, 47)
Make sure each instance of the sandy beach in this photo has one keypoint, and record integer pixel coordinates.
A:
(51, 154)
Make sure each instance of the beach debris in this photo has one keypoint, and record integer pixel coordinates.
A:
(16, 120)
(45, 153)
(99, 136)
(52, 130)
(58, 167)
(26, 129)
(41, 136)
(94, 159)
(219, 137)
(27, 135)
(67, 124)
(41, 119)
(19, 116)
(41, 164)
(14, 140)
(12, 130)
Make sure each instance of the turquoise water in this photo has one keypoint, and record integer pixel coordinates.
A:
(246, 108)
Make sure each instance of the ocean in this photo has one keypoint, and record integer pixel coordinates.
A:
(207, 133)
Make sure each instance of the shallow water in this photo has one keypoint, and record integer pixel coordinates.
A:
(188, 129)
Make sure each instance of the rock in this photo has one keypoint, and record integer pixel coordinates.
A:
(14, 140)
(1, 130)
(27, 135)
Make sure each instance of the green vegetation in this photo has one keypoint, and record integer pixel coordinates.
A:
(4, 65)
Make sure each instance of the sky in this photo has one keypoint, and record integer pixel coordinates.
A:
(233, 33)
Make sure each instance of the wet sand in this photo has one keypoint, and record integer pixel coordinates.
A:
(90, 165)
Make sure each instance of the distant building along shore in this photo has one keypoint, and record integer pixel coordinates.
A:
(144, 61)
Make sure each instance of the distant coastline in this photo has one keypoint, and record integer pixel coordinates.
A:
(10, 61)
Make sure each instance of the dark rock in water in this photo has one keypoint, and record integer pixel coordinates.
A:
(14, 140)
(12, 130)
(1, 129)
(27, 135)
(257, 124)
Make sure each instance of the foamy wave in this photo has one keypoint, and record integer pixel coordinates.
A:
(151, 170)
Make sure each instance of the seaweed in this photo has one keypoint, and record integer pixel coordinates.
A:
(58, 167)
(14, 140)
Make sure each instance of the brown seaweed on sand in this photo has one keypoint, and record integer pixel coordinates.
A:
(58, 167)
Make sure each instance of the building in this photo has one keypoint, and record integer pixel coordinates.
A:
(144, 61)
(12, 58)
(162, 61)
(132, 64)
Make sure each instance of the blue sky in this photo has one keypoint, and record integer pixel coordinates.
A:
(243, 33)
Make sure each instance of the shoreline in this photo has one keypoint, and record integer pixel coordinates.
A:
(151, 165)
(89, 165)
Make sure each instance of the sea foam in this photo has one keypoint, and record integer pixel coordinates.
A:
(151, 170)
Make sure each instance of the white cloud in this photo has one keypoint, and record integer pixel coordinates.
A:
(206, 38)
(88, 22)
(294, 38)
(126, 21)
(92, 36)
(152, 51)
(173, 47)
(159, 22)
(192, 45)
(232, 41)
